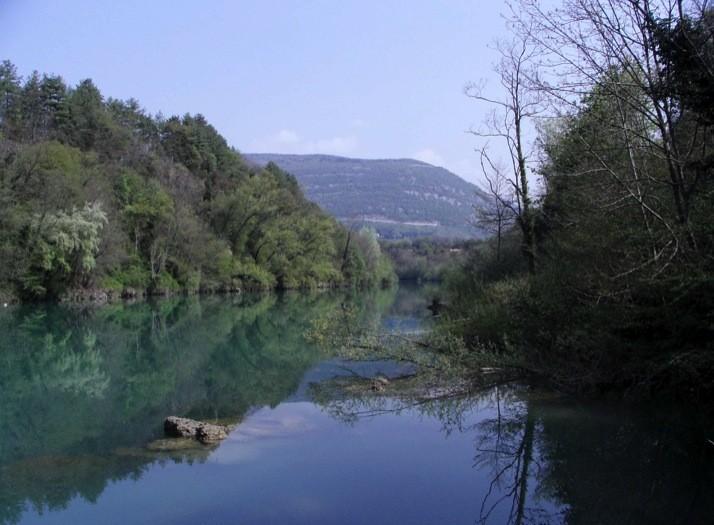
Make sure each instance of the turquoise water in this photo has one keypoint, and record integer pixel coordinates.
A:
(84, 392)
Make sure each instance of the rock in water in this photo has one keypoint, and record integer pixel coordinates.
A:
(379, 384)
(204, 432)
(180, 426)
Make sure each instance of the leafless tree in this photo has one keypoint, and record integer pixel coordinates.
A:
(586, 41)
(497, 216)
(511, 114)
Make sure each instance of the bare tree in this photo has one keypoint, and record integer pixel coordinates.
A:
(498, 215)
(516, 109)
(586, 41)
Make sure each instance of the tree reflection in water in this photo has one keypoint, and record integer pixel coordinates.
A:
(551, 459)
(84, 390)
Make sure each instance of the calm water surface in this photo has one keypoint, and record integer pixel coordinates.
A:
(83, 393)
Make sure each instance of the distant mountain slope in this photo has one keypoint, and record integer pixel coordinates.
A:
(398, 197)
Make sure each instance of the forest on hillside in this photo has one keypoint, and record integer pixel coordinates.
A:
(98, 195)
(605, 280)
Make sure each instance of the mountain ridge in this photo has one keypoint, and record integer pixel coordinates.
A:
(398, 197)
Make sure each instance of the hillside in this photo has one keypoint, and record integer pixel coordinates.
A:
(398, 197)
(98, 198)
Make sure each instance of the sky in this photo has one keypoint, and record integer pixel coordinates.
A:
(365, 78)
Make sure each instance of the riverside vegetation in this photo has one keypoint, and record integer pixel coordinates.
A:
(98, 198)
(604, 281)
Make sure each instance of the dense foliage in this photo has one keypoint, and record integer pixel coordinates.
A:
(622, 292)
(96, 193)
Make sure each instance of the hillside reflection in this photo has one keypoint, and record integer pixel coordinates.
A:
(84, 389)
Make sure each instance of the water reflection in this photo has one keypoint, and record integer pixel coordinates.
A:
(84, 392)
(549, 459)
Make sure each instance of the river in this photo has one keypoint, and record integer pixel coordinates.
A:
(84, 391)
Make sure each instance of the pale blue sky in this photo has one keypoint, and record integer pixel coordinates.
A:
(377, 79)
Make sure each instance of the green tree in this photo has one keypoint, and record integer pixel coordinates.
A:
(55, 111)
(90, 126)
(62, 247)
(145, 208)
(31, 101)
(10, 90)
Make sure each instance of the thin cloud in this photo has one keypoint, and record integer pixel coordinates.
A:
(467, 169)
(429, 156)
(289, 141)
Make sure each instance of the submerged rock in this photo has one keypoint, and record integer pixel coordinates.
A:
(190, 428)
(172, 444)
(175, 449)
(379, 384)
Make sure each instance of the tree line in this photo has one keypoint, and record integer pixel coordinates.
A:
(95, 193)
(603, 279)
(425, 259)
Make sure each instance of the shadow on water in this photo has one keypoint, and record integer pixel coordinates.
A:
(85, 391)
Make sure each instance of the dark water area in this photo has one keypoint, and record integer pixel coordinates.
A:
(84, 391)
